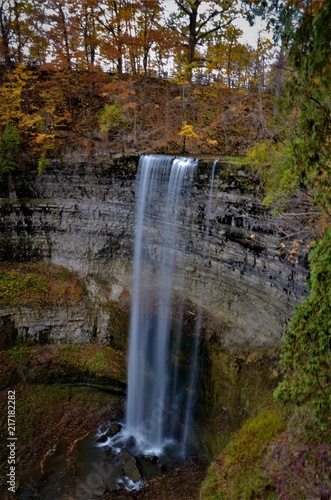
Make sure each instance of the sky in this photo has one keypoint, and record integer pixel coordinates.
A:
(250, 33)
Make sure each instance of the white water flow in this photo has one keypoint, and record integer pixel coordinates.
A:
(151, 403)
(196, 341)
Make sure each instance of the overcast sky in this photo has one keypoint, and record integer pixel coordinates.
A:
(250, 34)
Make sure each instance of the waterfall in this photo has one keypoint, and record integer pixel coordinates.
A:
(154, 398)
(198, 324)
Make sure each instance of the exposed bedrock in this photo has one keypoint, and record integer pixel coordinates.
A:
(233, 262)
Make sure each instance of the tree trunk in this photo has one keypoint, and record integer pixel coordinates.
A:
(18, 33)
(279, 80)
(4, 33)
(192, 35)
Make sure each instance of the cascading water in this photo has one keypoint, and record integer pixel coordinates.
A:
(163, 356)
(198, 324)
(153, 402)
(163, 345)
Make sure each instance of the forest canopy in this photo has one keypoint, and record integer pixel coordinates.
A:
(131, 73)
(169, 76)
(131, 36)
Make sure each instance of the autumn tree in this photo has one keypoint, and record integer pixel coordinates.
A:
(86, 18)
(227, 58)
(21, 124)
(12, 94)
(111, 16)
(117, 118)
(68, 45)
(198, 20)
(37, 46)
(6, 32)
(62, 32)
(148, 30)
(14, 30)
(187, 132)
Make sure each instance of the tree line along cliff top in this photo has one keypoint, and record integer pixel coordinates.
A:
(129, 76)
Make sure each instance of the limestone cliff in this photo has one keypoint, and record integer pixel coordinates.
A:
(81, 215)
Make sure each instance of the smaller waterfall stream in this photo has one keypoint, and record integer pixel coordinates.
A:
(198, 324)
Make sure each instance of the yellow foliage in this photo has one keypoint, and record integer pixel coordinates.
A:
(42, 138)
(181, 81)
(187, 131)
(11, 96)
(29, 121)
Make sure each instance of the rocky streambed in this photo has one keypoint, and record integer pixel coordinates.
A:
(66, 397)
(59, 452)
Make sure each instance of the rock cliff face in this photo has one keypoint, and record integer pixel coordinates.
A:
(81, 216)
(44, 325)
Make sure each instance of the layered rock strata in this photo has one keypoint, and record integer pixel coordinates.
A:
(232, 259)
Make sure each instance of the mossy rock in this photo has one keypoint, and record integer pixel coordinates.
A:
(234, 388)
(237, 473)
(91, 364)
(39, 284)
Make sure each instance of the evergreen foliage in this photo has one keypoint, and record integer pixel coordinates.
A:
(310, 93)
(272, 162)
(300, 156)
(9, 148)
(111, 116)
(306, 109)
(306, 358)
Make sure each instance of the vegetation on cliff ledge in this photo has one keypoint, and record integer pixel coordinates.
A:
(306, 359)
(39, 285)
(129, 76)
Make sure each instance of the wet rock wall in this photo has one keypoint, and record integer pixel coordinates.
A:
(81, 215)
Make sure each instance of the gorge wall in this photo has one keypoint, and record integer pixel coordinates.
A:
(80, 214)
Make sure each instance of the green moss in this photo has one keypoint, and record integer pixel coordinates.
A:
(96, 360)
(38, 285)
(237, 386)
(20, 355)
(209, 487)
(39, 403)
(68, 354)
(26, 420)
(306, 359)
(32, 404)
(240, 475)
(16, 287)
(252, 438)
(101, 366)
(237, 160)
